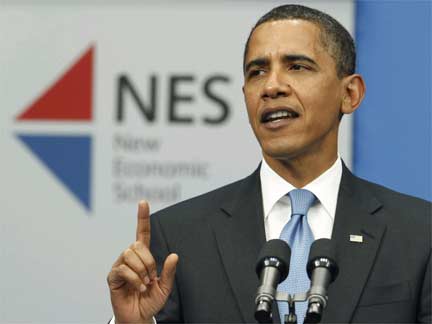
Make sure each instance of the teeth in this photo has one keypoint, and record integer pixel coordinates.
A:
(278, 114)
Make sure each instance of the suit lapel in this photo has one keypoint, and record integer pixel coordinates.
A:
(354, 216)
(239, 232)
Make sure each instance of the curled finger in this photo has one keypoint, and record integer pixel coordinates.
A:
(134, 262)
(147, 258)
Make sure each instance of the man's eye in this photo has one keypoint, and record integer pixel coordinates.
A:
(256, 72)
(298, 67)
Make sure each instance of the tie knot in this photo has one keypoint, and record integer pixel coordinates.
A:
(301, 201)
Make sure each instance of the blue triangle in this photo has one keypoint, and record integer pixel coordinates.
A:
(68, 158)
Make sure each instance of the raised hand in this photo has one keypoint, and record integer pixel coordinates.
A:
(137, 293)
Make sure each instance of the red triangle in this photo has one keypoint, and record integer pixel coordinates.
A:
(69, 98)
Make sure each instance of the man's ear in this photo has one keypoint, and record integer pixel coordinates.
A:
(353, 93)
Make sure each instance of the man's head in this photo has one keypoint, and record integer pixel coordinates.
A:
(334, 37)
(296, 89)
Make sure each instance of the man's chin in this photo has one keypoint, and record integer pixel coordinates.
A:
(279, 153)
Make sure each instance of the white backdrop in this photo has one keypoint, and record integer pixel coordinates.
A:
(56, 253)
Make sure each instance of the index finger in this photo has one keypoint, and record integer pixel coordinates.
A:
(143, 223)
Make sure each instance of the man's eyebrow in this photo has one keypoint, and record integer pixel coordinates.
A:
(257, 62)
(289, 58)
(298, 58)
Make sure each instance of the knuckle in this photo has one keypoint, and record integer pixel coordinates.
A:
(127, 254)
(114, 276)
(137, 245)
(122, 269)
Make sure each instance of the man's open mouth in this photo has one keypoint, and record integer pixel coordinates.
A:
(275, 115)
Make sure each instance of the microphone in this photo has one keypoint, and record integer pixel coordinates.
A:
(322, 270)
(272, 268)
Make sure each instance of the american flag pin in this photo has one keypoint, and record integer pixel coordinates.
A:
(356, 238)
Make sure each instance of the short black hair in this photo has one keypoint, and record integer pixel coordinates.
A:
(334, 37)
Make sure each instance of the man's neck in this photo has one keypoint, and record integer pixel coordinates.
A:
(300, 171)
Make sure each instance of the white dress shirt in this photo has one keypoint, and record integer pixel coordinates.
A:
(277, 205)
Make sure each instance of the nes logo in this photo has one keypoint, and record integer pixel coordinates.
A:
(69, 99)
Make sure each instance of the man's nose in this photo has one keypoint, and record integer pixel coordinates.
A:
(276, 85)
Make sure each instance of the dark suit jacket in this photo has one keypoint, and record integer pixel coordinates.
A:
(218, 236)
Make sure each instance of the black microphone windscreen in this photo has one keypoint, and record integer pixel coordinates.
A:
(278, 249)
(322, 248)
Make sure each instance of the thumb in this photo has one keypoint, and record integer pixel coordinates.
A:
(168, 273)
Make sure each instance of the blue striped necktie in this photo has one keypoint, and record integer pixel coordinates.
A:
(299, 236)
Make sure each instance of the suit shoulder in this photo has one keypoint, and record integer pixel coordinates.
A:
(395, 196)
(416, 209)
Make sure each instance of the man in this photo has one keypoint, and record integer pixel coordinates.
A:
(299, 80)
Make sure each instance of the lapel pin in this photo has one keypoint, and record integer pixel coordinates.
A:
(356, 238)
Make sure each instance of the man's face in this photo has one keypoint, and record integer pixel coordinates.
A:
(292, 92)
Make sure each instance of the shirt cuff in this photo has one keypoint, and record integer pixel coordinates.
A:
(113, 320)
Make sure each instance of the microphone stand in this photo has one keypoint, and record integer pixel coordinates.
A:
(291, 317)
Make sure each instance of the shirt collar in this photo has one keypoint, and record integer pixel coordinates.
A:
(325, 187)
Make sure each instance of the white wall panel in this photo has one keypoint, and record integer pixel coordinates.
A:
(55, 253)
